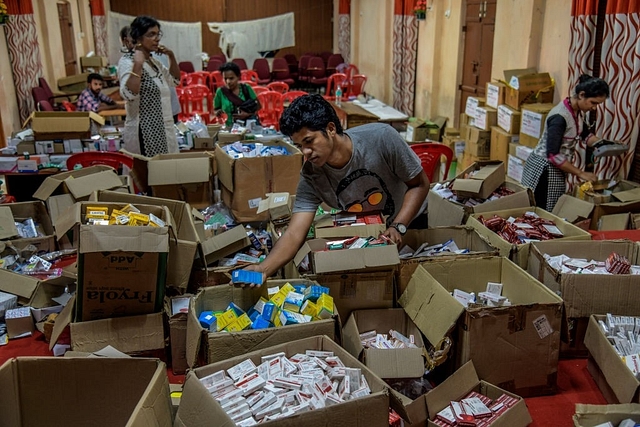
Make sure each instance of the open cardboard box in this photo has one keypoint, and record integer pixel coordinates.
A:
(527, 86)
(198, 407)
(109, 392)
(245, 181)
(464, 238)
(514, 347)
(597, 415)
(218, 246)
(209, 347)
(18, 212)
(50, 125)
(464, 381)
(486, 179)
(27, 288)
(519, 253)
(325, 229)
(572, 209)
(79, 183)
(177, 321)
(605, 192)
(621, 386)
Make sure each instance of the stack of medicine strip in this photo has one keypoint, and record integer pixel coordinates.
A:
(129, 215)
(475, 410)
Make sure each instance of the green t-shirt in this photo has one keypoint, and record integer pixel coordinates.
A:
(221, 102)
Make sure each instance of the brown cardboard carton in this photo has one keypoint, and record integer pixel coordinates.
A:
(533, 122)
(473, 102)
(46, 242)
(205, 347)
(30, 291)
(515, 168)
(485, 118)
(93, 61)
(359, 291)
(607, 192)
(198, 407)
(615, 373)
(181, 176)
(386, 363)
(526, 86)
(8, 228)
(221, 245)
(521, 357)
(109, 256)
(50, 125)
(495, 94)
(72, 384)
(614, 222)
(468, 159)
(509, 119)
(279, 205)
(465, 380)
(464, 238)
(582, 293)
(500, 141)
(324, 261)
(572, 209)
(520, 253)
(178, 331)
(595, 415)
(325, 229)
(246, 181)
(613, 208)
(486, 180)
(79, 183)
(19, 322)
(417, 131)
(131, 335)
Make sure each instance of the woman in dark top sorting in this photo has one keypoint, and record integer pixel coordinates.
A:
(546, 168)
(237, 100)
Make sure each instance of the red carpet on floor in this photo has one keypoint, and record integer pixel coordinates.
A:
(575, 384)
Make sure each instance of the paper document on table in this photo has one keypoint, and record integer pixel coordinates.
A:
(380, 109)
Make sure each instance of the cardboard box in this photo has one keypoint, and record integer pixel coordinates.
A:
(520, 356)
(622, 191)
(461, 383)
(532, 123)
(325, 229)
(324, 261)
(279, 205)
(225, 137)
(218, 246)
(595, 415)
(509, 119)
(520, 253)
(204, 347)
(480, 149)
(246, 181)
(178, 331)
(32, 292)
(136, 335)
(464, 238)
(444, 213)
(615, 373)
(359, 291)
(485, 118)
(473, 102)
(386, 363)
(182, 176)
(417, 131)
(486, 180)
(515, 168)
(495, 94)
(50, 125)
(198, 407)
(583, 293)
(93, 61)
(614, 222)
(19, 212)
(612, 208)
(109, 256)
(500, 141)
(572, 209)
(468, 159)
(79, 183)
(19, 322)
(79, 389)
(182, 250)
(526, 86)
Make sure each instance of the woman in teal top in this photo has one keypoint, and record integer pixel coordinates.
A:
(237, 100)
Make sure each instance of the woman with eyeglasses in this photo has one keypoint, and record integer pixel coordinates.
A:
(145, 85)
(546, 168)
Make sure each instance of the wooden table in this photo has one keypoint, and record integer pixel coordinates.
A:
(116, 112)
(351, 115)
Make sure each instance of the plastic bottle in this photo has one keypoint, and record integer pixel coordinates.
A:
(339, 96)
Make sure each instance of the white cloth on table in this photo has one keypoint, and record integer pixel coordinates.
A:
(245, 39)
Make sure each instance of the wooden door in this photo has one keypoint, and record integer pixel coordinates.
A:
(478, 48)
(68, 39)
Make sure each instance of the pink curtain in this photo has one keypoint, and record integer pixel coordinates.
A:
(405, 53)
(24, 52)
(344, 29)
(99, 21)
(618, 117)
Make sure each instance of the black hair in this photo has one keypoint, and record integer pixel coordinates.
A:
(141, 25)
(592, 87)
(230, 66)
(124, 32)
(309, 111)
(94, 76)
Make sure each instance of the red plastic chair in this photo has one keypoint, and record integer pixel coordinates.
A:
(260, 89)
(219, 120)
(271, 108)
(249, 76)
(351, 71)
(281, 87)
(197, 78)
(356, 85)
(291, 95)
(199, 101)
(430, 154)
(215, 81)
(68, 106)
(108, 158)
(335, 80)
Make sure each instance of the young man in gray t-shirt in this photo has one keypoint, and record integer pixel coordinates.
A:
(365, 169)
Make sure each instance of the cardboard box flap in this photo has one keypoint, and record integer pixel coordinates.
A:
(58, 121)
(273, 200)
(594, 415)
(628, 196)
(458, 384)
(508, 74)
(350, 337)
(430, 306)
(614, 222)
(7, 223)
(182, 170)
(104, 180)
(101, 238)
(18, 284)
(308, 247)
(572, 209)
(483, 182)
(216, 244)
(51, 183)
(62, 321)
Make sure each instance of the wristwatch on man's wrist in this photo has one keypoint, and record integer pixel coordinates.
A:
(402, 229)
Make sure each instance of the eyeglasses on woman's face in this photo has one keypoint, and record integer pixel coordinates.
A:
(155, 35)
